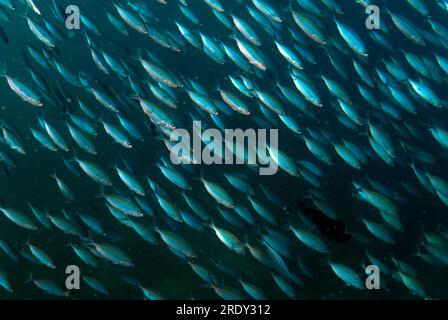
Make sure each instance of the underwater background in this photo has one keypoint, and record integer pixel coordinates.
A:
(156, 266)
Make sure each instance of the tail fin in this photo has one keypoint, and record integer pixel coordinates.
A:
(29, 278)
(2, 68)
(133, 281)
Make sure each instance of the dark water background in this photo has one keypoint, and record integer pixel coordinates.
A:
(156, 266)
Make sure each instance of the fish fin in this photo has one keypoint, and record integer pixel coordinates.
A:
(29, 278)
(3, 70)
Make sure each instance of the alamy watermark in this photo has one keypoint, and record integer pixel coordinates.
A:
(237, 146)
(373, 21)
(73, 20)
(373, 281)
(72, 282)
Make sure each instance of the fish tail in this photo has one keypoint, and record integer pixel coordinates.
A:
(2, 68)
(3, 124)
(88, 239)
(210, 224)
(207, 285)
(101, 194)
(29, 278)
(233, 35)
(287, 9)
(130, 280)
(53, 175)
(246, 239)
(138, 55)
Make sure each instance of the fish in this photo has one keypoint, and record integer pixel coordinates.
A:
(24, 91)
(112, 254)
(347, 275)
(4, 282)
(19, 218)
(229, 239)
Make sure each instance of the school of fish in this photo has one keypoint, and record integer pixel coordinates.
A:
(364, 106)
